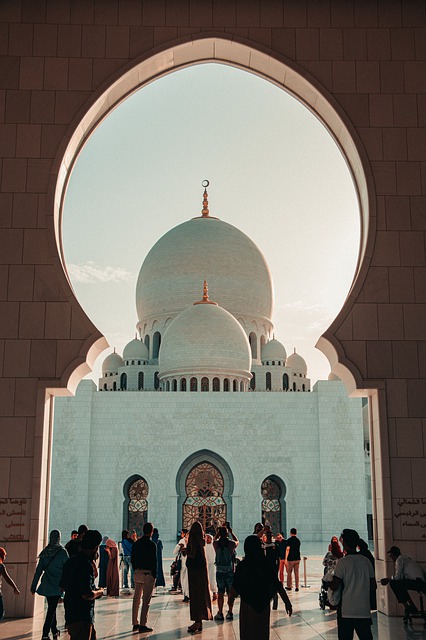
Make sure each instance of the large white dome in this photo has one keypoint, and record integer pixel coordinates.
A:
(238, 275)
(205, 339)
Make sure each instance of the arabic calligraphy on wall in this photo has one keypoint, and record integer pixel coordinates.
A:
(409, 516)
(14, 519)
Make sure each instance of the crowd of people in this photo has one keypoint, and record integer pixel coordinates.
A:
(206, 570)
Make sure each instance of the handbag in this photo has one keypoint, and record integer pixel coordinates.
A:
(335, 596)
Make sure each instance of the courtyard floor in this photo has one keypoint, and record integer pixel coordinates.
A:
(169, 617)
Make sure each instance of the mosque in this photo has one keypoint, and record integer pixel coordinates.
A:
(205, 416)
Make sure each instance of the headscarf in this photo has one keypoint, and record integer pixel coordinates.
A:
(104, 539)
(196, 541)
(335, 548)
(155, 536)
(254, 578)
(111, 544)
(54, 545)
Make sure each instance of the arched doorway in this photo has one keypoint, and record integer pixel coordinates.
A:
(273, 504)
(204, 501)
(204, 485)
(135, 504)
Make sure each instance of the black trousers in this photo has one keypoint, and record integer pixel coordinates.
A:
(401, 588)
(347, 626)
(50, 623)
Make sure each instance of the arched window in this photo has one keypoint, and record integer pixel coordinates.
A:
(226, 384)
(174, 384)
(156, 381)
(285, 382)
(262, 342)
(183, 384)
(268, 381)
(216, 384)
(137, 510)
(168, 385)
(156, 342)
(303, 387)
(294, 386)
(114, 386)
(140, 380)
(271, 507)
(234, 385)
(253, 381)
(204, 503)
(193, 385)
(204, 384)
(105, 386)
(123, 381)
(253, 344)
(147, 342)
(241, 386)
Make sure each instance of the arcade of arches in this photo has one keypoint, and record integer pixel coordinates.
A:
(361, 67)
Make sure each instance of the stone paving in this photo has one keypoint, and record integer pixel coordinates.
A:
(169, 617)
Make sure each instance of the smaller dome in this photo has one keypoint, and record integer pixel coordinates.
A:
(274, 350)
(112, 363)
(135, 350)
(205, 339)
(297, 363)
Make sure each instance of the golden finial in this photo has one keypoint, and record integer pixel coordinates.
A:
(205, 210)
(205, 299)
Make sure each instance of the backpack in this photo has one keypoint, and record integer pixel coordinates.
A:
(223, 562)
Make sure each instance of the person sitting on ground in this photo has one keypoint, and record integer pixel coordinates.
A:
(256, 582)
(408, 575)
(225, 556)
(4, 574)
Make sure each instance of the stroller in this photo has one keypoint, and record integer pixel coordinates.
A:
(323, 596)
(329, 563)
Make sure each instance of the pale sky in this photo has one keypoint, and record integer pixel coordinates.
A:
(274, 172)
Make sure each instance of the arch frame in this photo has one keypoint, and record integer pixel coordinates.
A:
(234, 51)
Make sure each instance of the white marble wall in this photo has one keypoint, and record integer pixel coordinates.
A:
(308, 440)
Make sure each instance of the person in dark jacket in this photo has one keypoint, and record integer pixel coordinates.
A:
(78, 582)
(144, 562)
(49, 569)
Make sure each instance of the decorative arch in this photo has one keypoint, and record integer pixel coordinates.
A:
(285, 382)
(204, 487)
(135, 506)
(156, 343)
(273, 492)
(123, 381)
(253, 345)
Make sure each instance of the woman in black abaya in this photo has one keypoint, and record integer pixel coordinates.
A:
(257, 583)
